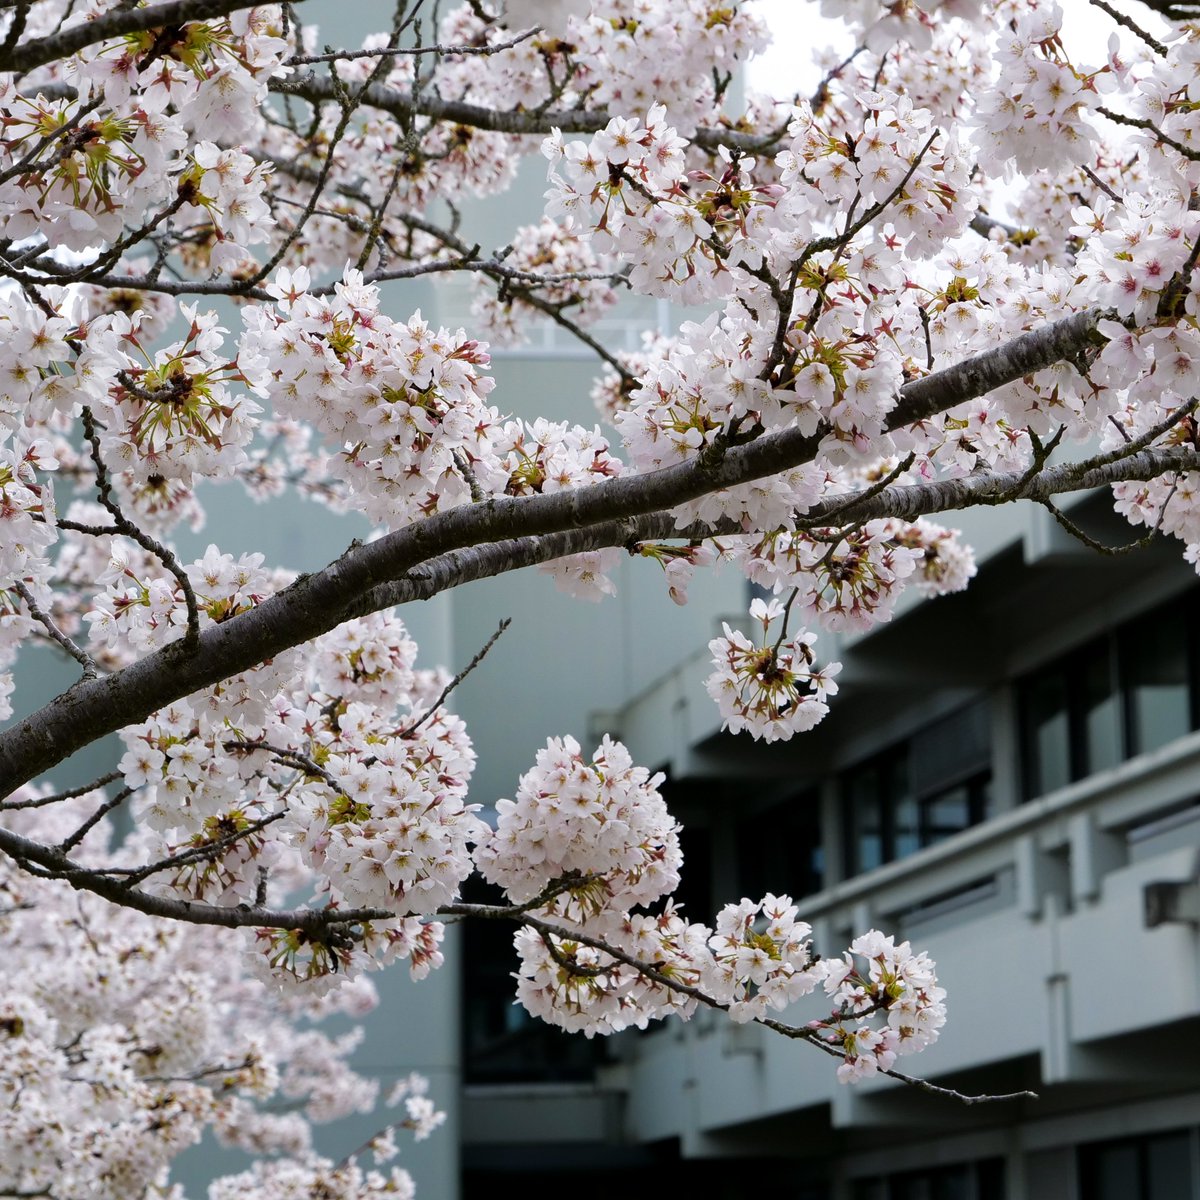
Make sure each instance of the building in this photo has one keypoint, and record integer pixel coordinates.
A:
(1009, 779)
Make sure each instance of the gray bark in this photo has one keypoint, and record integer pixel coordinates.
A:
(25, 56)
(355, 583)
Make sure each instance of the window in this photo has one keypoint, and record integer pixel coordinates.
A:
(501, 1042)
(779, 849)
(983, 1180)
(1071, 718)
(1128, 692)
(919, 792)
(1157, 658)
(1158, 1167)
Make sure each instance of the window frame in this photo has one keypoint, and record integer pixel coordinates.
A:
(1070, 671)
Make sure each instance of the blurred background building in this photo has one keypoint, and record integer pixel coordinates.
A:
(1009, 778)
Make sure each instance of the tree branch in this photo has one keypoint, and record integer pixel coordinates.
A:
(81, 656)
(113, 24)
(318, 89)
(409, 730)
(319, 602)
(55, 864)
(651, 971)
(904, 502)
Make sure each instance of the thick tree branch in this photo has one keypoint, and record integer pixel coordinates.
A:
(319, 602)
(976, 376)
(905, 502)
(319, 89)
(113, 24)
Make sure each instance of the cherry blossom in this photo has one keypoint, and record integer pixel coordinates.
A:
(962, 271)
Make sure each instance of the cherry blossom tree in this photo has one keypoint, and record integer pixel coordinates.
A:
(881, 348)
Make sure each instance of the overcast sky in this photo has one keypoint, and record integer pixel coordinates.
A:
(787, 65)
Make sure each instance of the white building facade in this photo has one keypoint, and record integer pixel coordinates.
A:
(1009, 779)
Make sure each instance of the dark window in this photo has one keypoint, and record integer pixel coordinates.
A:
(1045, 711)
(983, 1180)
(1071, 718)
(872, 793)
(1128, 692)
(779, 849)
(501, 1041)
(1156, 659)
(919, 792)
(695, 892)
(1157, 1167)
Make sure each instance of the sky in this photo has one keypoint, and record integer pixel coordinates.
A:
(787, 65)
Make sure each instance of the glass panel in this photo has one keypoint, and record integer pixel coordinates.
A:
(1047, 734)
(816, 872)
(869, 842)
(1102, 740)
(945, 815)
(985, 799)
(949, 751)
(1156, 679)
(907, 825)
(1111, 1172)
(870, 1189)
(903, 809)
(989, 1179)
(953, 1183)
(864, 818)
(1169, 1168)
(1155, 659)
(695, 891)
(779, 849)
(912, 1187)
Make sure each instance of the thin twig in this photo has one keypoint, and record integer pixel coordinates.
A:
(69, 844)
(135, 875)
(1125, 547)
(923, 312)
(1133, 27)
(655, 975)
(80, 655)
(829, 516)
(1098, 181)
(479, 657)
(349, 102)
(304, 60)
(163, 553)
(287, 757)
(28, 162)
(822, 93)
(1149, 126)
(59, 797)
(478, 495)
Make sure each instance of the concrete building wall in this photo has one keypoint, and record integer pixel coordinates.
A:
(1063, 975)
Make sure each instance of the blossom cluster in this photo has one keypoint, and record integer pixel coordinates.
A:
(627, 187)
(401, 404)
(602, 822)
(1038, 111)
(892, 980)
(772, 690)
(78, 172)
(840, 251)
(126, 1039)
(347, 765)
